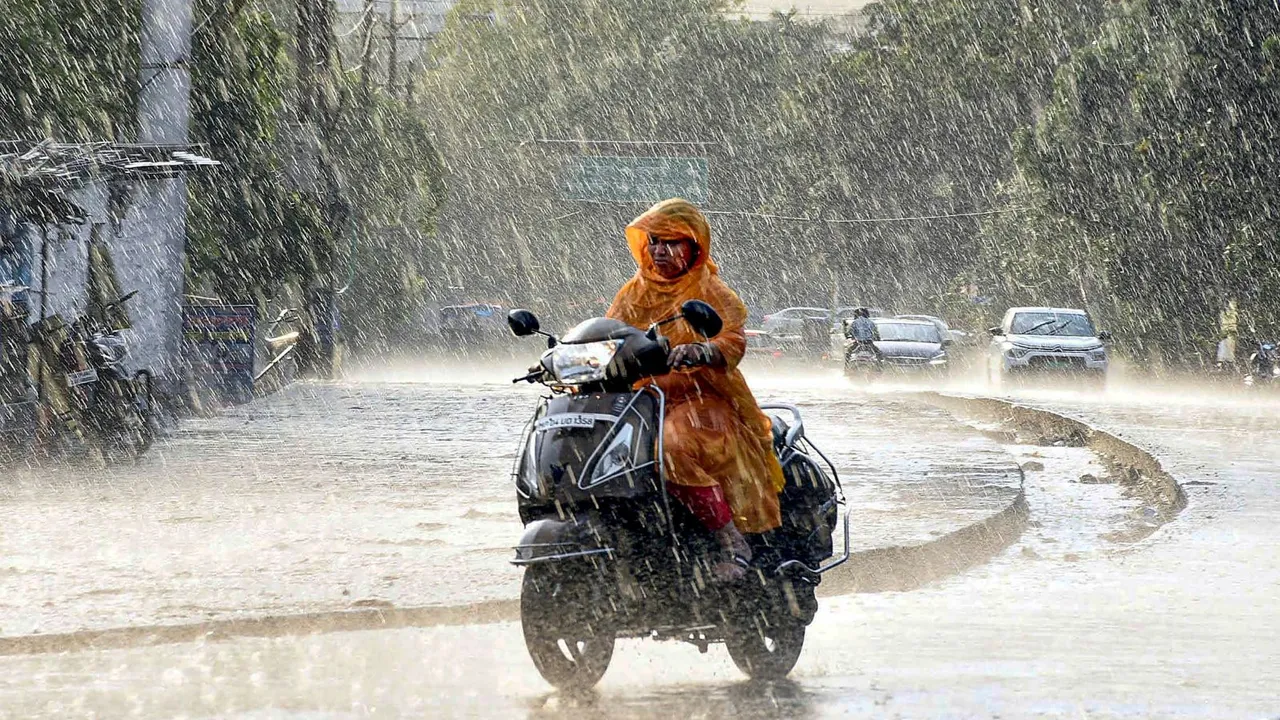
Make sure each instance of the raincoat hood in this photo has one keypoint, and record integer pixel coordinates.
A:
(652, 294)
(670, 220)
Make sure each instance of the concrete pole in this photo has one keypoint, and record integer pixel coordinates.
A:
(150, 253)
(164, 105)
(393, 61)
(370, 21)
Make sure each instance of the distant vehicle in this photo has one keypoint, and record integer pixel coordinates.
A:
(1046, 339)
(901, 345)
(943, 329)
(762, 343)
(86, 380)
(840, 327)
(1264, 365)
(472, 324)
(789, 322)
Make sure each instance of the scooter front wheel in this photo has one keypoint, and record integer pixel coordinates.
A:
(568, 639)
(766, 653)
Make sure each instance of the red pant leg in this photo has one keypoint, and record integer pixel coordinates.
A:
(706, 503)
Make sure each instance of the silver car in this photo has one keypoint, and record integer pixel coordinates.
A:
(789, 322)
(1047, 339)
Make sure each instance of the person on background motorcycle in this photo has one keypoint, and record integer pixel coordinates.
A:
(718, 450)
(863, 330)
(1263, 361)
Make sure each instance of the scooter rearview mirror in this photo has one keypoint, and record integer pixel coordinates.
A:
(702, 318)
(522, 322)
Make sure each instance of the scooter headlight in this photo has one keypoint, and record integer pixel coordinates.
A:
(615, 460)
(583, 362)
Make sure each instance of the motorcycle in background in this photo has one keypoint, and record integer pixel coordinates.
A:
(17, 394)
(1264, 365)
(85, 383)
(284, 349)
(861, 361)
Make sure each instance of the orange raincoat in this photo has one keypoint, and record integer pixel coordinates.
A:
(715, 433)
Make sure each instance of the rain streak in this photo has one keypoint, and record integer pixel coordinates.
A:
(639, 359)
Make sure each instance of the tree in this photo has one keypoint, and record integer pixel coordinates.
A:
(1147, 179)
(69, 69)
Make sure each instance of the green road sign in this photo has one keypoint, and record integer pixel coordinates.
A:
(636, 179)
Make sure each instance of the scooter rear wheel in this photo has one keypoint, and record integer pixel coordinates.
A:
(766, 653)
(568, 639)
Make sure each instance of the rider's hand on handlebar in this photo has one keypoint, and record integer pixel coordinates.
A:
(535, 373)
(693, 355)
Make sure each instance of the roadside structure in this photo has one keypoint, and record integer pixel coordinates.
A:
(62, 204)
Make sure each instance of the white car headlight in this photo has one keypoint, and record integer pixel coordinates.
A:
(1014, 351)
(583, 362)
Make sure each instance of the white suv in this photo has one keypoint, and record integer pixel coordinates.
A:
(1048, 340)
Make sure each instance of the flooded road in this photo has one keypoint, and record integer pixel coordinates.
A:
(376, 497)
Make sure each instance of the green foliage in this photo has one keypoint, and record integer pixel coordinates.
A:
(913, 116)
(262, 221)
(1128, 150)
(250, 229)
(388, 147)
(1149, 179)
(509, 76)
(68, 68)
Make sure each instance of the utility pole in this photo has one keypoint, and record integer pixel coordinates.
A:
(366, 63)
(153, 261)
(319, 115)
(393, 63)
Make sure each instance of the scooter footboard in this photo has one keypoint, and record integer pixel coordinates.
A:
(551, 540)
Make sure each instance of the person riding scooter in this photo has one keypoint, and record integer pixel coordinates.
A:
(718, 450)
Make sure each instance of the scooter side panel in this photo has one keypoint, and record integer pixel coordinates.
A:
(591, 449)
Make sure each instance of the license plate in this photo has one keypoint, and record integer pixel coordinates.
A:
(84, 377)
(1059, 363)
(567, 420)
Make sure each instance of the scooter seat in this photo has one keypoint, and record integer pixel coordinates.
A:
(780, 428)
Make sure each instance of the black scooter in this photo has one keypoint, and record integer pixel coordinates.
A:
(98, 400)
(608, 553)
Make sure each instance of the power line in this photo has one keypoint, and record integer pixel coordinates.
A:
(829, 221)
(856, 221)
(570, 141)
